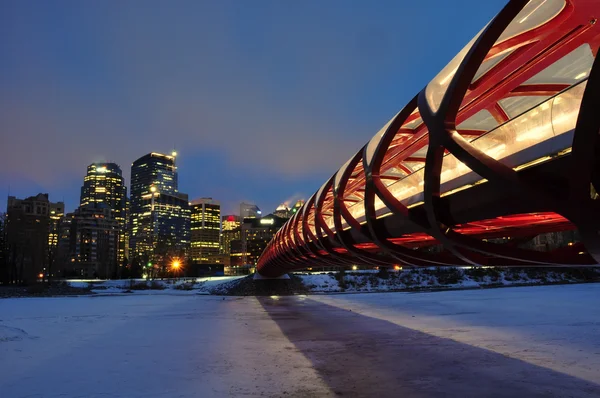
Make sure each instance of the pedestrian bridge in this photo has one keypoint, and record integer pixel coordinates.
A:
(501, 146)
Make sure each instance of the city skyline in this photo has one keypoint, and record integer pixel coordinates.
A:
(72, 205)
(242, 88)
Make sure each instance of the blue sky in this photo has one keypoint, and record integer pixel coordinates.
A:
(263, 100)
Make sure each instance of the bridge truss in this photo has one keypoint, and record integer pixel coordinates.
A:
(501, 146)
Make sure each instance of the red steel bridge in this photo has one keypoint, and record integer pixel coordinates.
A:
(503, 143)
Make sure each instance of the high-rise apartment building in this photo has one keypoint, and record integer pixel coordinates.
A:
(57, 211)
(93, 242)
(160, 214)
(104, 183)
(205, 230)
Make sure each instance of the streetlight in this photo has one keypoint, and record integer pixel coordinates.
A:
(176, 265)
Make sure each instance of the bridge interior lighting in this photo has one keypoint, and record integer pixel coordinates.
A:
(354, 268)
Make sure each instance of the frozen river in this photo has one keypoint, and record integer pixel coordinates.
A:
(514, 342)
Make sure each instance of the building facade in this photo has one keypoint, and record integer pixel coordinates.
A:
(282, 211)
(104, 183)
(205, 230)
(93, 243)
(57, 212)
(160, 214)
(249, 210)
(296, 207)
(29, 231)
(230, 231)
(256, 234)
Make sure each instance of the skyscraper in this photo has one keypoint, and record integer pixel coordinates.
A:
(249, 210)
(296, 207)
(104, 183)
(256, 234)
(57, 211)
(160, 214)
(206, 229)
(230, 231)
(282, 211)
(93, 242)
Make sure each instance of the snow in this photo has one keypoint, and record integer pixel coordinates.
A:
(164, 287)
(147, 346)
(425, 278)
(555, 327)
(304, 346)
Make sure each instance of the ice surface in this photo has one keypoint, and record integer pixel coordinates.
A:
(556, 327)
(147, 346)
(209, 346)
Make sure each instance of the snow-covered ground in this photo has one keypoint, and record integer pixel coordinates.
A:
(432, 278)
(523, 342)
(182, 286)
(147, 346)
(555, 327)
(355, 281)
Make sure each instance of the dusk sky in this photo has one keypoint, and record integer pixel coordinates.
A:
(263, 100)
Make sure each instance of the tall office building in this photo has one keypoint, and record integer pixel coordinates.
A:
(230, 231)
(205, 230)
(104, 183)
(160, 214)
(249, 210)
(57, 211)
(256, 234)
(296, 207)
(282, 211)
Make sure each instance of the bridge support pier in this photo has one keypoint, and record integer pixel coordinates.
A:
(259, 277)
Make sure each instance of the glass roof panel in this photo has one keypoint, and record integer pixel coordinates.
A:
(414, 166)
(534, 14)
(514, 106)
(421, 153)
(414, 124)
(482, 120)
(372, 145)
(570, 69)
(490, 63)
(341, 171)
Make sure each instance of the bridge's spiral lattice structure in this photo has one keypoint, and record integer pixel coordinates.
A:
(503, 143)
